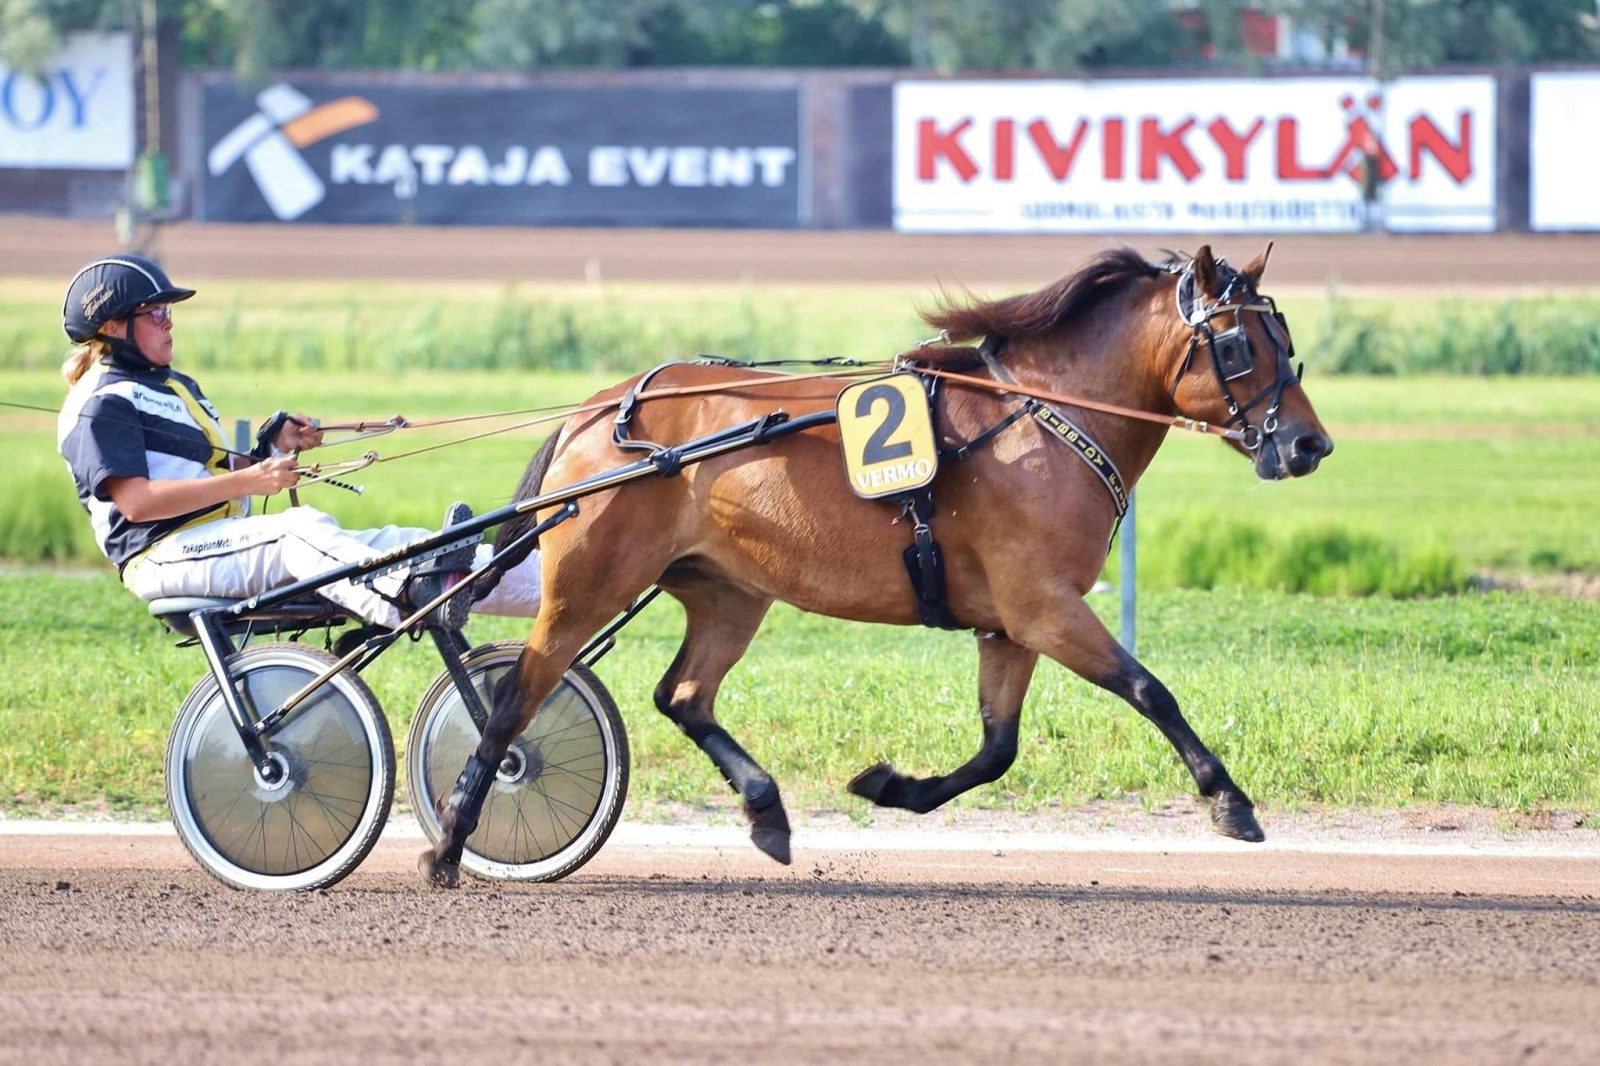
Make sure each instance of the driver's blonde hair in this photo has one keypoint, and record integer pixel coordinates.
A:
(81, 358)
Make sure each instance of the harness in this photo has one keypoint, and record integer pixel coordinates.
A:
(1232, 355)
(924, 561)
(1065, 430)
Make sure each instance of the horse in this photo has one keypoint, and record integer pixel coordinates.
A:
(1024, 523)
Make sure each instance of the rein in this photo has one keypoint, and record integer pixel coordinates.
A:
(1230, 352)
(560, 412)
(1194, 425)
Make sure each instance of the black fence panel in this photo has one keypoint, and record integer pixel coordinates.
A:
(539, 155)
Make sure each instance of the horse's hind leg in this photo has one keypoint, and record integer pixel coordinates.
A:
(1004, 670)
(721, 622)
(1075, 637)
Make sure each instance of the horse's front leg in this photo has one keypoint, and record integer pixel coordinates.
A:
(1004, 670)
(1073, 635)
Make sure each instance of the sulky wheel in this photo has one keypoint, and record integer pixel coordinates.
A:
(560, 788)
(313, 818)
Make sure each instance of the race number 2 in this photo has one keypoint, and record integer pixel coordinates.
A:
(887, 433)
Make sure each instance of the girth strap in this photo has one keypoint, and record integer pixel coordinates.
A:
(925, 564)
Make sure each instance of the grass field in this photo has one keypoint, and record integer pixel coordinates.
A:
(284, 327)
(1328, 698)
(1488, 699)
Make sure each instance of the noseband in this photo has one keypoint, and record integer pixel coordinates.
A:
(1232, 355)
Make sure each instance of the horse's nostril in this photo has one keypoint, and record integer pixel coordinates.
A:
(1312, 445)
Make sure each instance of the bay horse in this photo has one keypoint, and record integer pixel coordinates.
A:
(1024, 522)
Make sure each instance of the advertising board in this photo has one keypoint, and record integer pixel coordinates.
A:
(494, 156)
(1228, 155)
(75, 114)
(1563, 151)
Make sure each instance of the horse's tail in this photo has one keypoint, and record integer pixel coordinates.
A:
(516, 525)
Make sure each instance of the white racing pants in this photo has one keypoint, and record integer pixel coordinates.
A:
(239, 557)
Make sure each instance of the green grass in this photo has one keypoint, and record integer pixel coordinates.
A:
(390, 326)
(1484, 699)
(1497, 474)
(284, 327)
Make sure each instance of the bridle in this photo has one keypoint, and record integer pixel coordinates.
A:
(1232, 355)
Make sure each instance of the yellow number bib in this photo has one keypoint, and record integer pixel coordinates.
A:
(887, 434)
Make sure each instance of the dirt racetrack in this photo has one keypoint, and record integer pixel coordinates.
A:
(117, 948)
(1490, 262)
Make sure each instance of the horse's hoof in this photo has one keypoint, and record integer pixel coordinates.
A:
(769, 830)
(436, 874)
(1234, 816)
(773, 843)
(870, 783)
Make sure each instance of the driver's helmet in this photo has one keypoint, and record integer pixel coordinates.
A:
(111, 287)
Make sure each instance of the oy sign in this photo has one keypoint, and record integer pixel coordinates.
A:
(887, 433)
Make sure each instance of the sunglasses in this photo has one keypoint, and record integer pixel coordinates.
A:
(161, 314)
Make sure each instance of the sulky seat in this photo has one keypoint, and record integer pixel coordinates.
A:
(308, 613)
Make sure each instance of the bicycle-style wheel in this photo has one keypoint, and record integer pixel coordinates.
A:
(560, 788)
(316, 817)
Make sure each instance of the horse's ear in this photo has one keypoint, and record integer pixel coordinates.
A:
(1205, 271)
(1258, 266)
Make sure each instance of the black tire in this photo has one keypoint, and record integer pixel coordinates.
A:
(314, 827)
(544, 817)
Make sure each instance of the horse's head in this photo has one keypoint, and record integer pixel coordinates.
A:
(1238, 371)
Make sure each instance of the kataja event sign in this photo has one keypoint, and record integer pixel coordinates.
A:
(542, 156)
(77, 113)
(1269, 155)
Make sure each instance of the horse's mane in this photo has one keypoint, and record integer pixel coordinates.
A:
(1036, 312)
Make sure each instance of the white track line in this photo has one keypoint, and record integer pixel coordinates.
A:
(943, 839)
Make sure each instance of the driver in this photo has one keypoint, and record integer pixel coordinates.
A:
(170, 505)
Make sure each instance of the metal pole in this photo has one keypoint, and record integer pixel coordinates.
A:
(1375, 43)
(241, 435)
(1127, 557)
(152, 79)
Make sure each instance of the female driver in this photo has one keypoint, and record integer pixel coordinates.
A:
(170, 505)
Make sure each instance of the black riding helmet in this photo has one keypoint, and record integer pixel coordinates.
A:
(110, 288)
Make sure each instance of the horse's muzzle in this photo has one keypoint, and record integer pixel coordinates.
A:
(1306, 450)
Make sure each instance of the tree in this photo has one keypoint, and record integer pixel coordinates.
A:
(31, 31)
(257, 37)
(761, 33)
(531, 34)
(1065, 35)
(1426, 33)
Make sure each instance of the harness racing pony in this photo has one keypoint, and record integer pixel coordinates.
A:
(1024, 522)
